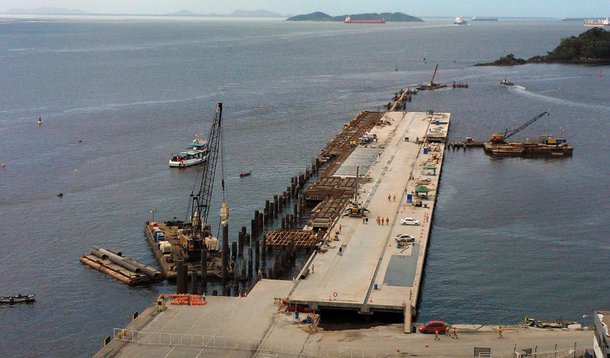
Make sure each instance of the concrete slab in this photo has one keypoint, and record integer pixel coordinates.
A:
(362, 157)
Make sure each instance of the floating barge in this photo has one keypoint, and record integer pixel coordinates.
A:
(122, 268)
(167, 241)
(529, 149)
(547, 146)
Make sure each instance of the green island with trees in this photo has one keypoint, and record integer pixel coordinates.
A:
(387, 16)
(592, 47)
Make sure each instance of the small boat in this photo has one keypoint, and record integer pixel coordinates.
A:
(506, 82)
(196, 153)
(460, 21)
(17, 299)
(39, 121)
(349, 20)
(245, 174)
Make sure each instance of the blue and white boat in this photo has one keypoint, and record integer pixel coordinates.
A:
(196, 153)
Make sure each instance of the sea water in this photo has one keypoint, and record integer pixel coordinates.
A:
(511, 237)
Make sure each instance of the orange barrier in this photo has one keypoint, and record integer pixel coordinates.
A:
(187, 300)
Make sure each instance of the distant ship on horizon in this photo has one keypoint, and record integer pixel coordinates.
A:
(484, 19)
(348, 20)
(460, 21)
(597, 23)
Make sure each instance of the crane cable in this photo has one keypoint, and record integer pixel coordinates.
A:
(222, 178)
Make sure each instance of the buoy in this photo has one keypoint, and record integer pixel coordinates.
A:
(39, 121)
(80, 140)
(3, 165)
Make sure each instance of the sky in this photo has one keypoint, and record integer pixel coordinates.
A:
(421, 8)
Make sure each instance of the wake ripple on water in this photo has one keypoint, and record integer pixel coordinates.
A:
(561, 101)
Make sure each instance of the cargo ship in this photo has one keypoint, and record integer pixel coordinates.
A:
(348, 20)
(597, 23)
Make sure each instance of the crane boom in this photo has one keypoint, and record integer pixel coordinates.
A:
(508, 134)
(200, 202)
(433, 75)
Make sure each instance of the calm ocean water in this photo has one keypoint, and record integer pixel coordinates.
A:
(511, 237)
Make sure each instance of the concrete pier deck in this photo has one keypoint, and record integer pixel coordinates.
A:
(360, 267)
(363, 267)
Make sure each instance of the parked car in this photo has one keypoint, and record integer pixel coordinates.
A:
(404, 238)
(409, 221)
(432, 326)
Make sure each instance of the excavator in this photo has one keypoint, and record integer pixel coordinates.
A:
(498, 138)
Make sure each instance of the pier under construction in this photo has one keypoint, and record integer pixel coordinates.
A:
(375, 186)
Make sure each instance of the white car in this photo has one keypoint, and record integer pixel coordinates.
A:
(409, 221)
(404, 238)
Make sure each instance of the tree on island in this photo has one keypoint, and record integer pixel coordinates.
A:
(590, 47)
(387, 16)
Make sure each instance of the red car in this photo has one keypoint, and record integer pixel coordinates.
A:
(432, 326)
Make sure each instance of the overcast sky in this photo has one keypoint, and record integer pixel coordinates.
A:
(515, 8)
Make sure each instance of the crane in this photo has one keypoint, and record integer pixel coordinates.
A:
(200, 202)
(501, 138)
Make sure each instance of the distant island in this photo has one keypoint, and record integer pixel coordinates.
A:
(387, 16)
(183, 12)
(236, 13)
(47, 11)
(591, 47)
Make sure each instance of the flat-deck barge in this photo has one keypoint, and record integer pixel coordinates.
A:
(167, 248)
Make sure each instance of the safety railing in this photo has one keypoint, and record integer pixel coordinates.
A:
(239, 344)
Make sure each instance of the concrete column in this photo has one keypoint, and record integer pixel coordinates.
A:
(250, 262)
(204, 270)
(194, 282)
(180, 280)
(225, 254)
(233, 251)
(257, 256)
(253, 224)
(276, 205)
(264, 250)
(240, 246)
